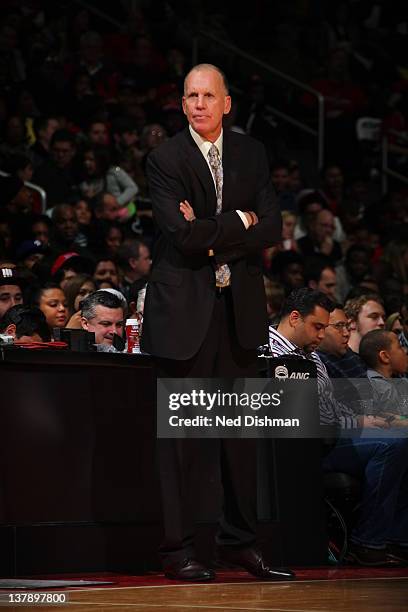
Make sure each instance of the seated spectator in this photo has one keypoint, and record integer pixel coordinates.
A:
(393, 323)
(126, 140)
(275, 296)
(76, 290)
(44, 128)
(135, 262)
(57, 175)
(15, 202)
(40, 229)
(332, 188)
(68, 265)
(14, 137)
(106, 271)
(97, 134)
(319, 238)
(386, 358)
(112, 236)
(288, 243)
(304, 317)
(65, 234)
(30, 252)
(20, 166)
(364, 314)
(103, 314)
(51, 300)
(106, 207)
(84, 214)
(334, 351)
(321, 275)
(287, 268)
(280, 180)
(11, 289)
(309, 203)
(101, 177)
(25, 325)
(356, 268)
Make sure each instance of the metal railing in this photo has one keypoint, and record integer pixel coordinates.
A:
(318, 134)
(37, 188)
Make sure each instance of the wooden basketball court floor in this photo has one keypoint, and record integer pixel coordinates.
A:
(362, 593)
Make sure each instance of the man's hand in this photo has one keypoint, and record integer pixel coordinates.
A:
(187, 211)
(251, 217)
(373, 421)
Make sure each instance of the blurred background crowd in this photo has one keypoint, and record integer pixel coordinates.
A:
(87, 93)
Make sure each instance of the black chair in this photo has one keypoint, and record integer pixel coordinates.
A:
(342, 497)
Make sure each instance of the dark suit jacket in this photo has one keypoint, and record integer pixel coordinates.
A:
(181, 289)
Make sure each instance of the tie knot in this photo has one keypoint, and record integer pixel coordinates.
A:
(214, 156)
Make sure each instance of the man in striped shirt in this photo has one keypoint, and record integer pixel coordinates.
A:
(304, 318)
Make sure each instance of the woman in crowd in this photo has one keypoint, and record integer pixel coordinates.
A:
(101, 176)
(76, 290)
(51, 300)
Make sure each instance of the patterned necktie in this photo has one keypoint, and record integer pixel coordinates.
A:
(222, 273)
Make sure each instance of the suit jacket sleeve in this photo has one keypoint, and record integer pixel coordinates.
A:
(219, 232)
(268, 231)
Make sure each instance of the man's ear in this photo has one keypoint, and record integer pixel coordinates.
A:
(352, 325)
(11, 330)
(312, 284)
(84, 323)
(294, 318)
(133, 262)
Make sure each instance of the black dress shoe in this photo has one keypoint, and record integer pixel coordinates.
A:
(188, 569)
(251, 560)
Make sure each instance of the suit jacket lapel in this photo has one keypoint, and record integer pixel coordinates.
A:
(195, 159)
(229, 173)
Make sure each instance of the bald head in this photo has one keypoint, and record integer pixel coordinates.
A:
(202, 67)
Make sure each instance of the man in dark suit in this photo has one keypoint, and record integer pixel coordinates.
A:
(205, 308)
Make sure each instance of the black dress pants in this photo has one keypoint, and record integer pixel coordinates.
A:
(180, 460)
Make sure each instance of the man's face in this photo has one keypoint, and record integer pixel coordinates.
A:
(371, 316)
(23, 200)
(129, 138)
(106, 271)
(334, 177)
(10, 295)
(205, 102)
(41, 232)
(280, 179)
(105, 323)
(293, 275)
(48, 132)
(63, 153)
(323, 226)
(337, 334)
(358, 264)
(66, 224)
(142, 264)
(98, 134)
(309, 330)
(327, 282)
